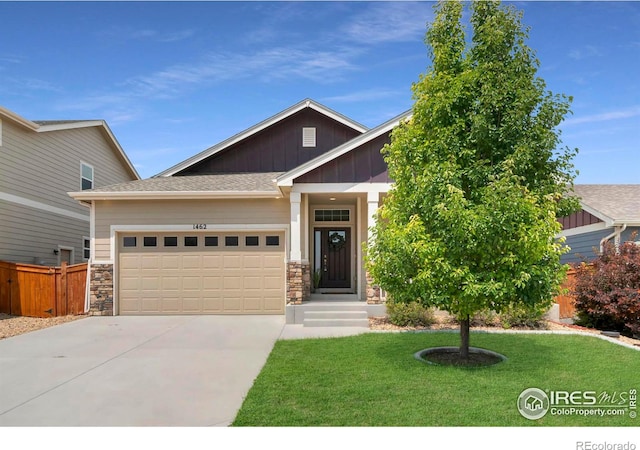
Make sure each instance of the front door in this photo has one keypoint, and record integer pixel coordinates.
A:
(335, 257)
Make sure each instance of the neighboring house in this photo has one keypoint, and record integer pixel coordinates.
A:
(41, 162)
(610, 213)
(242, 227)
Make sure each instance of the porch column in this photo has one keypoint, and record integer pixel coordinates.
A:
(373, 291)
(295, 252)
(298, 276)
(372, 207)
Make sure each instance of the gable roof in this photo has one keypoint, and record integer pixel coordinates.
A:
(615, 204)
(287, 178)
(307, 103)
(44, 126)
(235, 185)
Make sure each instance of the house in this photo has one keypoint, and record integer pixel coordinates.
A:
(41, 162)
(249, 226)
(610, 213)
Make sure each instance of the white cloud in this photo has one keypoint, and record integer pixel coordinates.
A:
(604, 117)
(389, 22)
(265, 65)
(363, 96)
(588, 51)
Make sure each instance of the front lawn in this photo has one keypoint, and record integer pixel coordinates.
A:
(373, 380)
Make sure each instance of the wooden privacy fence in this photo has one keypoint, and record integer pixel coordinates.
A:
(566, 301)
(40, 291)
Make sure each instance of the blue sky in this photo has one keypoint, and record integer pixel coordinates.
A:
(173, 78)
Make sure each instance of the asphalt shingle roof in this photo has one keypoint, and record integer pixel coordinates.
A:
(620, 202)
(234, 182)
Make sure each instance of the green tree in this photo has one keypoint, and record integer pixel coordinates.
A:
(478, 177)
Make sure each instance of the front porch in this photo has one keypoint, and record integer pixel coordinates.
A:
(330, 228)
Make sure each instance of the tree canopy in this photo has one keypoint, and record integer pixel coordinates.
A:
(479, 178)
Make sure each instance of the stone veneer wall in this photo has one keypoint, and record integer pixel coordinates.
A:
(373, 292)
(298, 282)
(101, 290)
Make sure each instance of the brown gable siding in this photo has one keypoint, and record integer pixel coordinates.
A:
(578, 219)
(361, 165)
(277, 148)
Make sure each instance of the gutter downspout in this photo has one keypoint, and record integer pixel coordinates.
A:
(617, 233)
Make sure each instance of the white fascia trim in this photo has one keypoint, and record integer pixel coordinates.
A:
(608, 220)
(286, 179)
(69, 125)
(583, 229)
(42, 206)
(164, 195)
(18, 119)
(346, 188)
(257, 128)
(218, 227)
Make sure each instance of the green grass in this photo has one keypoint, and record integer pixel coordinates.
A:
(374, 380)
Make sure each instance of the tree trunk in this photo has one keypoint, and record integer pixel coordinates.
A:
(464, 338)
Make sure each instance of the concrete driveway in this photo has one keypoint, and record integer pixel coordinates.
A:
(134, 371)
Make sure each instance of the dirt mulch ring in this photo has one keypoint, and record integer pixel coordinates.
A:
(383, 324)
(15, 325)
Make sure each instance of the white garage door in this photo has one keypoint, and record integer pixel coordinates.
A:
(223, 273)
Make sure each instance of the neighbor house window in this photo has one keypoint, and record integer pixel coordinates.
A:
(308, 137)
(86, 175)
(86, 248)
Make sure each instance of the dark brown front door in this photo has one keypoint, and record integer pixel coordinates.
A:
(335, 261)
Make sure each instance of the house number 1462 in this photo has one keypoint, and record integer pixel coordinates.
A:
(199, 226)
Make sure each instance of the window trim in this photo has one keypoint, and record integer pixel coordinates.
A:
(82, 177)
(309, 137)
(86, 239)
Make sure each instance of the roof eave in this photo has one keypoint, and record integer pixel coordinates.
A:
(179, 195)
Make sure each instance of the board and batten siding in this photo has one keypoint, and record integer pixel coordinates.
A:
(183, 212)
(278, 148)
(40, 169)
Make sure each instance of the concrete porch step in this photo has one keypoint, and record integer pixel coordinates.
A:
(341, 314)
(364, 323)
(333, 313)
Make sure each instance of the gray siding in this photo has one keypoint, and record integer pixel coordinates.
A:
(44, 167)
(586, 245)
(30, 235)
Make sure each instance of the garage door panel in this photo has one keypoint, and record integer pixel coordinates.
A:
(212, 262)
(232, 262)
(201, 280)
(191, 262)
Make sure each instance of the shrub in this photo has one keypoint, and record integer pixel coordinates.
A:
(411, 314)
(607, 291)
(524, 316)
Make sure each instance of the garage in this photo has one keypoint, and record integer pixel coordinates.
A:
(201, 273)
